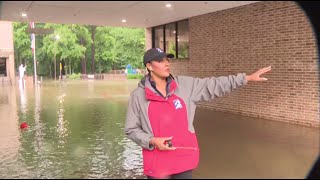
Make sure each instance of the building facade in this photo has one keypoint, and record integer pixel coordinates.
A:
(245, 39)
(7, 71)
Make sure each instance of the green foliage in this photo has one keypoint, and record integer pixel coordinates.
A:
(74, 76)
(117, 47)
(135, 76)
(22, 44)
(67, 47)
(183, 50)
(172, 48)
(114, 48)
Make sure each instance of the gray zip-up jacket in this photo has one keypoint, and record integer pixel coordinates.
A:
(191, 90)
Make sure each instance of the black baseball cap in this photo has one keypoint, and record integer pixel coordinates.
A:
(155, 54)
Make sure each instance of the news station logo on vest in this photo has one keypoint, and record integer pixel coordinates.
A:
(177, 104)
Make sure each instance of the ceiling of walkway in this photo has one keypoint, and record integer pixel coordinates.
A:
(110, 13)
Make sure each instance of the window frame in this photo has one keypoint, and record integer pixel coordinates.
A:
(163, 26)
(5, 67)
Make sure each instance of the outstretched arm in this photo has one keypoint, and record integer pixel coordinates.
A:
(209, 88)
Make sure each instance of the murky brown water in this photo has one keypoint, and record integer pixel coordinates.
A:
(234, 146)
(76, 131)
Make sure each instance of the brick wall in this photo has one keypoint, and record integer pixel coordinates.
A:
(246, 38)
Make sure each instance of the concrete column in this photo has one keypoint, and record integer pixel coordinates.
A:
(148, 34)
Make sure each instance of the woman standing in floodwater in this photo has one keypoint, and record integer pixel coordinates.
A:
(161, 112)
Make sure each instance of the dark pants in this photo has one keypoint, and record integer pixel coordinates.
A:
(183, 175)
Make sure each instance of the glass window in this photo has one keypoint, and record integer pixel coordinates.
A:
(158, 41)
(3, 68)
(176, 38)
(183, 39)
(171, 38)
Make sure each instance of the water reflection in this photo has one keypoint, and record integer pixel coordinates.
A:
(23, 99)
(9, 133)
(38, 124)
(76, 131)
(132, 159)
(62, 124)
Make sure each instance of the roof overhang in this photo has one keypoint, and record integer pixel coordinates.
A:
(141, 14)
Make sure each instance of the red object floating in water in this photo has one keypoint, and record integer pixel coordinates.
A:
(23, 125)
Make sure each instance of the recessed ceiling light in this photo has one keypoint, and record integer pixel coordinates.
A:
(24, 15)
(168, 5)
(123, 20)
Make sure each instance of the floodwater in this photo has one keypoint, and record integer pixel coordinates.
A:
(76, 130)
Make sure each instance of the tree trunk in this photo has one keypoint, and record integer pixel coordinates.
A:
(83, 61)
(50, 69)
(92, 48)
(114, 71)
(19, 59)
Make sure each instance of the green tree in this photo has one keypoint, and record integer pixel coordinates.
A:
(113, 48)
(172, 48)
(84, 36)
(65, 48)
(22, 45)
(131, 42)
(104, 48)
(117, 47)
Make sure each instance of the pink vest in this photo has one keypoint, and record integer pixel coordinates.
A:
(168, 117)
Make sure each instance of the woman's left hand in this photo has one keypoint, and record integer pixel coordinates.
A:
(256, 76)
